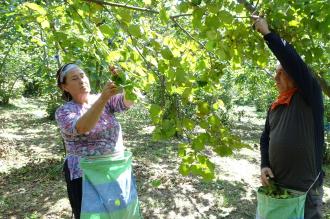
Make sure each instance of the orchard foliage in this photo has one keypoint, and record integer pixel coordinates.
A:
(185, 56)
(275, 191)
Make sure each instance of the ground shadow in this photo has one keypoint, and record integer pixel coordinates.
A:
(173, 199)
(38, 186)
(35, 187)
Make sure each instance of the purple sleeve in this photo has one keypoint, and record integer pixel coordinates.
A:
(67, 119)
(116, 104)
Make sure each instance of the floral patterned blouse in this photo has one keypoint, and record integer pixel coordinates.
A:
(104, 138)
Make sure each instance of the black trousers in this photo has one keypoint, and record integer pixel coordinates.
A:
(74, 188)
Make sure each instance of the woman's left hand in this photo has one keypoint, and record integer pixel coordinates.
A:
(109, 90)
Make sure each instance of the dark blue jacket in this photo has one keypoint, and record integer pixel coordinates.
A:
(308, 87)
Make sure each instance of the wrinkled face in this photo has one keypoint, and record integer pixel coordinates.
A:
(283, 80)
(76, 83)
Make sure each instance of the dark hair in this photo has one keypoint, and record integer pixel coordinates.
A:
(65, 95)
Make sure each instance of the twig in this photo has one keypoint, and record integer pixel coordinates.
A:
(268, 73)
(242, 16)
(180, 15)
(149, 65)
(87, 27)
(123, 6)
(189, 35)
(256, 6)
(247, 5)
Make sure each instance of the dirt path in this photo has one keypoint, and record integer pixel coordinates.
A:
(31, 155)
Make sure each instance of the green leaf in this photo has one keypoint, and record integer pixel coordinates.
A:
(167, 53)
(156, 183)
(211, 34)
(293, 23)
(187, 93)
(95, 7)
(168, 128)
(197, 17)
(223, 150)
(204, 124)
(156, 45)
(162, 66)
(188, 124)
(212, 22)
(36, 8)
(119, 79)
(164, 17)
(184, 169)
(180, 75)
(203, 108)
(219, 105)
(239, 8)
(134, 30)
(196, 2)
(222, 54)
(106, 30)
(129, 94)
(113, 56)
(147, 2)
(214, 121)
(182, 152)
(155, 112)
(45, 24)
(201, 83)
(210, 165)
(201, 158)
(183, 7)
(199, 142)
(208, 175)
(196, 170)
(124, 16)
(225, 17)
(210, 45)
(190, 159)
(213, 7)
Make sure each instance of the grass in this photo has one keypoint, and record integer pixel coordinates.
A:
(32, 185)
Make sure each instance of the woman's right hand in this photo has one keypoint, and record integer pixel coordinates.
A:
(266, 172)
(109, 90)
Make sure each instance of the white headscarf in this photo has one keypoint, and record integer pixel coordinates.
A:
(68, 68)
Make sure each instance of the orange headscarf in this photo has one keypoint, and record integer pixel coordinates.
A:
(284, 98)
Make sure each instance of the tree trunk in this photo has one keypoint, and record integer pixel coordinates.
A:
(324, 85)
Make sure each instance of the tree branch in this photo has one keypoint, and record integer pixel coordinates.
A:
(154, 12)
(133, 8)
(324, 84)
(6, 56)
